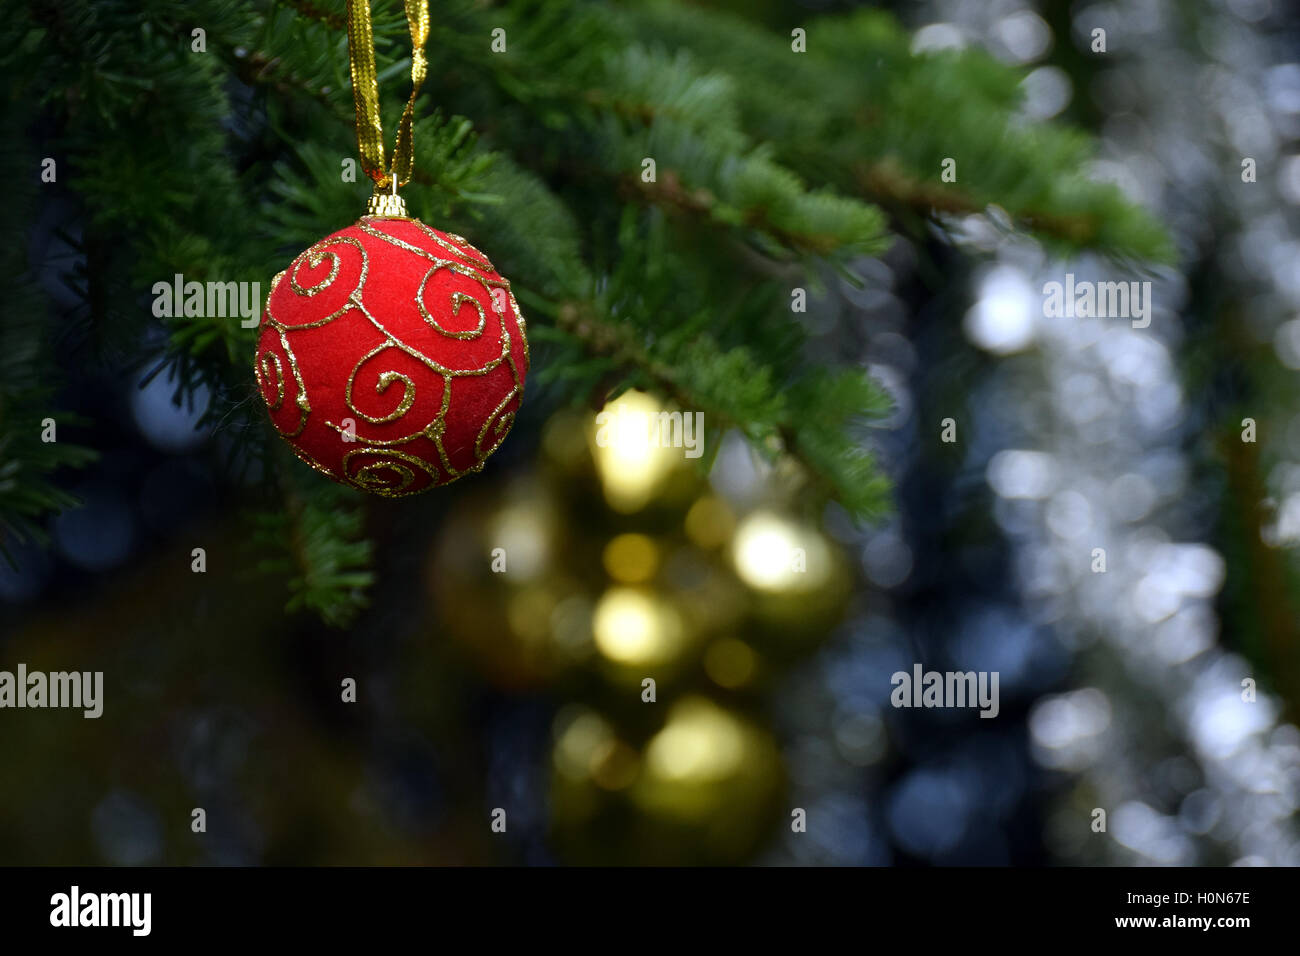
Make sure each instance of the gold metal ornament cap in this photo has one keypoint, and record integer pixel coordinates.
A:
(386, 204)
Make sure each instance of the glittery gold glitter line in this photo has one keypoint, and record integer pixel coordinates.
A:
(392, 460)
(354, 294)
(508, 418)
(432, 363)
(301, 400)
(314, 259)
(263, 370)
(457, 299)
(311, 462)
(459, 263)
(385, 379)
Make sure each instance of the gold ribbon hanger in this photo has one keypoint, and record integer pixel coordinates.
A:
(365, 93)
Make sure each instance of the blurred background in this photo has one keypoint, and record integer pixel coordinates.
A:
(522, 690)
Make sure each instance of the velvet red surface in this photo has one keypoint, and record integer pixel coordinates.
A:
(392, 356)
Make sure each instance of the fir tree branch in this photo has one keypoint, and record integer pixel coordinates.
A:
(310, 10)
(808, 430)
(314, 537)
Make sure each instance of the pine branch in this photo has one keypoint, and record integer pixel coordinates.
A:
(805, 421)
(310, 10)
(887, 118)
(314, 537)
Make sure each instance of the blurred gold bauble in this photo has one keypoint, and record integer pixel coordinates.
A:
(799, 579)
(654, 577)
(704, 788)
(731, 663)
(500, 591)
(643, 450)
(637, 628)
(631, 558)
(617, 562)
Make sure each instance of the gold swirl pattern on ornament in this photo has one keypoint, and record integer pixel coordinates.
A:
(263, 369)
(459, 262)
(393, 471)
(382, 384)
(501, 430)
(312, 259)
(434, 430)
(403, 466)
(464, 265)
(457, 300)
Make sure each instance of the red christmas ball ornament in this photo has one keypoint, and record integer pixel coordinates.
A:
(392, 356)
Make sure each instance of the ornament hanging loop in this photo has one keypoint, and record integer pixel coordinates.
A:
(365, 94)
